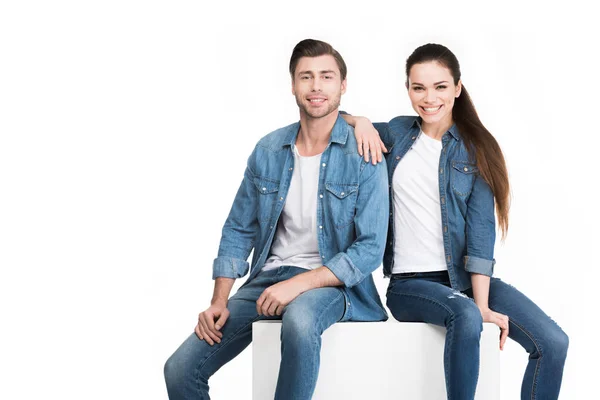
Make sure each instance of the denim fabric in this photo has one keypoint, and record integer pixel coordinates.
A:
(352, 215)
(428, 297)
(467, 202)
(303, 321)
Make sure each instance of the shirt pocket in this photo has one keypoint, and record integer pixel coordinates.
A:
(341, 202)
(462, 177)
(267, 194)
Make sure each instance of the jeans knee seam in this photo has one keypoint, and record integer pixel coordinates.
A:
(221, 345)
(538, 347)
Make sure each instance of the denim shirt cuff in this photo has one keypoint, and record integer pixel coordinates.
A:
(343, 268)
(229, 267)
(479, 265)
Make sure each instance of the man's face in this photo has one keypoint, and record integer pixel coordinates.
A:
(318, 86)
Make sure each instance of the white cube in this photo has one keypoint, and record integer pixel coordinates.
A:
(375, 360)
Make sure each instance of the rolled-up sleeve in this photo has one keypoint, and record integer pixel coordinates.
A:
(480, 229)
(239, 232)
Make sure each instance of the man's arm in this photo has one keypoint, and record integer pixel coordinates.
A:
(237, 241)
(370, 224)
(240, 229)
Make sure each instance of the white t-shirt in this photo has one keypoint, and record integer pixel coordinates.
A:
(295, 242)
(419, 242)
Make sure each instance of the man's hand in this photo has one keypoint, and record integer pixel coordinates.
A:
(211, 321)
(499, 320)
(274, 299)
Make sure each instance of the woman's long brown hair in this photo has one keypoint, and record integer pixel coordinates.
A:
(480, 143)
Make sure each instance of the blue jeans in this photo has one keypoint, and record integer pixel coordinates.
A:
(427, 297)
(303, 321)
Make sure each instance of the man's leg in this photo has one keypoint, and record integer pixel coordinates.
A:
(187, 371)
(303, 322)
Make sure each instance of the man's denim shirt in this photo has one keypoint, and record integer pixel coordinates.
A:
(466, 200)
(352, 215)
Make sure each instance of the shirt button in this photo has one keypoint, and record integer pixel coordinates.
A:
(291, 169)
(321, 196)
(466, 169)
(281, 198)
(441, 170)
(443, 200)
(320, 226)
(271, 227)
(445, 228)
(397, 157)
(448, 258)
(322, 256)
(264, 189)
(413, 138)
(324, 165)
(341, 194)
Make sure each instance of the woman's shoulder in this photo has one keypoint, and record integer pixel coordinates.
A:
(402, 124)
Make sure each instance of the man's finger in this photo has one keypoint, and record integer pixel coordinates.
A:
(206, 333)
(198, 333)
(260, 302)
(359, 142)
(222, 319)
(272, 309)
(206, 338)
(265, 306)
(279, 310)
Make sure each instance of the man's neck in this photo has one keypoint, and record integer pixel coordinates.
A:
(314, 133)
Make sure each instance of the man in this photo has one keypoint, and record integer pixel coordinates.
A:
(316, 215)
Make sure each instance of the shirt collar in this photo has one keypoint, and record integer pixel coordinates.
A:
(453, 131)
(339, 133)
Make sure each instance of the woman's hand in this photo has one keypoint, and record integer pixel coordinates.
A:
(367, 138)
(499, 320)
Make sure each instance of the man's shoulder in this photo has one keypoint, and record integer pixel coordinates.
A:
(278, 138)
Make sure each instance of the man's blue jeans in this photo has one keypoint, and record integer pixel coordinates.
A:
(427, 297)
(303, 321)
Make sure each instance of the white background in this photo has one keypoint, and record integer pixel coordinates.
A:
(125, 128)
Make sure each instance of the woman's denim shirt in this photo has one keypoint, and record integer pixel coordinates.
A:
(466, 200)
(352, 218)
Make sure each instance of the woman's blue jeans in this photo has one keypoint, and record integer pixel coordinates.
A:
(427, 297)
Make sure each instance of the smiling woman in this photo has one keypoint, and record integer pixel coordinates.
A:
(447, 175)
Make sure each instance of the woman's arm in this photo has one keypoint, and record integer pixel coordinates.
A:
(481, 236)
(370, 138)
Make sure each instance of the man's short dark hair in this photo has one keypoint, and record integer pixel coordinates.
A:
(316, 48)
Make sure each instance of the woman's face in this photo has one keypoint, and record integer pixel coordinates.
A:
(432, 92)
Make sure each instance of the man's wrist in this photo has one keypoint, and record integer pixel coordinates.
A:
(218, 301)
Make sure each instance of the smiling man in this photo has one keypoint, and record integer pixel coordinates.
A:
(316, 215)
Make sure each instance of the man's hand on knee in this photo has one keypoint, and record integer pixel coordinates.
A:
(274, 298)
(210, 322)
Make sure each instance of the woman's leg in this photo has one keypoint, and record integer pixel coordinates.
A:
(426, 298)
(539, 335)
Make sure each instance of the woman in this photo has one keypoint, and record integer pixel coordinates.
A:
(447, 174)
